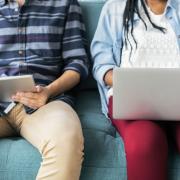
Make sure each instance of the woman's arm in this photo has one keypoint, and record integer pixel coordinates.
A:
(101, 47)
(108, 32)
(108, 78)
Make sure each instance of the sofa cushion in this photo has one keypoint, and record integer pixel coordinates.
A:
(104, 157)
(174, 164)
(89, 110)
(104, 151)
(91, 11)
(19, 160)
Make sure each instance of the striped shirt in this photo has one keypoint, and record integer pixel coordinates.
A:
(43, 38)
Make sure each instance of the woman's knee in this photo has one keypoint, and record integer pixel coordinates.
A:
(145, 138)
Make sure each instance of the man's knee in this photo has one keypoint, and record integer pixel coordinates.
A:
(63, 144)
(60, 126)
(72, 136)
(65, 135)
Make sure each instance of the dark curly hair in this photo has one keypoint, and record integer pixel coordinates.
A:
(128, 18)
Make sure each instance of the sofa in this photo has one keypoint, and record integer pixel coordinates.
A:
(105, 157)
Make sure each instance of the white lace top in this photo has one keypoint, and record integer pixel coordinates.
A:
(154, 48)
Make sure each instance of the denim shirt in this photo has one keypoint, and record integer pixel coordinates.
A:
(108, 40)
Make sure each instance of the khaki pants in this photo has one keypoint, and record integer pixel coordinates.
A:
(55, 131)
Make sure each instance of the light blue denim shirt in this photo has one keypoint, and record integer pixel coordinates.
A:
(108, 40)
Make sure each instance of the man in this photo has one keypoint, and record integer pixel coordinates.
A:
(45, 38)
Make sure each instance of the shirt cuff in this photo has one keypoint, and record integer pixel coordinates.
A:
(101, 73)
(78, 67)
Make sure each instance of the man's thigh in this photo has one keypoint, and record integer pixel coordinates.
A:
(55, 119)
(6, 130)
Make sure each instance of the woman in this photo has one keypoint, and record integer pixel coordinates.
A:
(138, 33)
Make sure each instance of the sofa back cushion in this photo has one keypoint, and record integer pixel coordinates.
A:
(91, 10)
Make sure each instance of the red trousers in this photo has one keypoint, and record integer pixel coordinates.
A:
(146, 146)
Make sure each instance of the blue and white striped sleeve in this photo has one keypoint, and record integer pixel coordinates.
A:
(74, 42)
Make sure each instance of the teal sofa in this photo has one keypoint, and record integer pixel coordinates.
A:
(104, 151)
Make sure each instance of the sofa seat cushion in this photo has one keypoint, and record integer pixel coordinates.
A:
(104, 150)
(19, 160)
(174, 164)
(104, 157)
(89, 110)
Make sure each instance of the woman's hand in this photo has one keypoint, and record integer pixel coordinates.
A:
(34, 99)
(108, 78)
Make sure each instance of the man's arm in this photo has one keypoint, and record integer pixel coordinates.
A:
(75, 61)
(74, 43)
(40, 96)
(65, 82)
(73, 52)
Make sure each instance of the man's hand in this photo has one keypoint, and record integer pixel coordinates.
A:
(40, 95)
(34, 99)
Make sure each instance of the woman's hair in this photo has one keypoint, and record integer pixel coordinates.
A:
(128, 18)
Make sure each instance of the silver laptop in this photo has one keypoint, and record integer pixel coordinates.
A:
(146, 93)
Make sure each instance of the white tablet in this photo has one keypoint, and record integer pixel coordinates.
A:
(9, 85)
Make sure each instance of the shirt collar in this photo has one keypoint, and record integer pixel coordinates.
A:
(172, 4)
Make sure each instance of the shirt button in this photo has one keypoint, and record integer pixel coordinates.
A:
(170, 17)
(21, 30)
(179, 36)
(21, 62)
(20, 52)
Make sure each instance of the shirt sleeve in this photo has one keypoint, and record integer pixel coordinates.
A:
(74, 44)
(102, 45)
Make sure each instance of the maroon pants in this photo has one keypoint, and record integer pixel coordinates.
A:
(146, 146)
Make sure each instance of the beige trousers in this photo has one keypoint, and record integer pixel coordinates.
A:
(55, 131)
